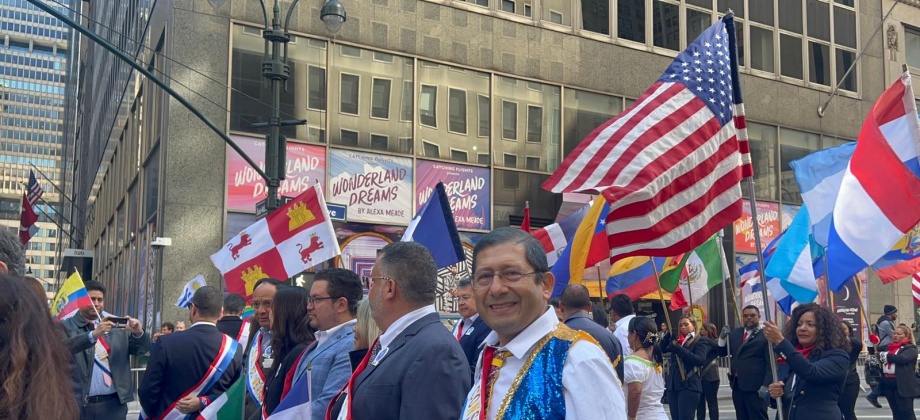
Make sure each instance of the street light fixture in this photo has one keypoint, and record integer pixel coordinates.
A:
(333, 15)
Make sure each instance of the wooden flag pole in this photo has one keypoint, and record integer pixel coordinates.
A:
(667, 317)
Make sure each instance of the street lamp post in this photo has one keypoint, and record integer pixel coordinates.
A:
(276, 69)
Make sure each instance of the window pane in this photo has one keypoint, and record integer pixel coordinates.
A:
(370, 85)
(762, 49)
(819, 63)
(666, 25)
(737, 6)
(845, 59)
(516, 112)
(317, 88)
(479, 2)
(151, 184)
(431, 149)
(912, 46)
(631, 20)
(844, 2)
(513, 189)
(790, 17)
(585, 111)
(595, 16)
(380, 101)
(456, 109)
(790, 49)
(702, 3)
(467, 95)
(845, 27)
(762, 12)
(558, 11)
(819, 20)
(762, 139)
(380, 142)
(697, 22)
(521, 7)
(794, 144)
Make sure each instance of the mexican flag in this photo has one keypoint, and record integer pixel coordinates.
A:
(699, 270)
(228, 406)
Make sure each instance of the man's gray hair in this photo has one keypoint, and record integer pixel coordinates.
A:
(413, 268)
(11, 253)
(533, 250)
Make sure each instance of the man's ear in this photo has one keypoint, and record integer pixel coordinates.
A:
(3, 268)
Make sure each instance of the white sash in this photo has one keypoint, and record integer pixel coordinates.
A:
(255, 380)
(224, 357)
(243, 336)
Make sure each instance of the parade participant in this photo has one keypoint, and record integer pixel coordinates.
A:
(885, 331)
(899, 383)
(291, 334)
(471, 329)
(366, 332)
(532, 365)
(232, 322)
(12, 259)
(416, 369)
(710, 375)
(749, 373)
(621, 311)
(257, 360)
(101, 351)
(815, 349)
(684, 386)
(575, 304)
(190, 369)
(165, 328)
(644, 384)
(180, 326)
(332, 306)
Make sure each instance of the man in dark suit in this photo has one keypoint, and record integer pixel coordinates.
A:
(575, 304)
(184, 359)
(102, 352)
(232, 322)
(749, 375)
(471, 329)
(416, 369)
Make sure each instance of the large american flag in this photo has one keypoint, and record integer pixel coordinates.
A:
(671, 164)
(33, 190)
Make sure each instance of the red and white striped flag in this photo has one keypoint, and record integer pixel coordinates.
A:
(671, 165)
(915, 287)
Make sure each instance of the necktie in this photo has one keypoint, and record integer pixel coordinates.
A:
(744, 338)
(498, 359)
(375, 350)
(460, 330)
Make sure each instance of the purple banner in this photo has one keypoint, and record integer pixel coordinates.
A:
(468, 188)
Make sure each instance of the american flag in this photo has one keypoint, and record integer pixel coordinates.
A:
(915, 287)
(34, 189)
(670, 165)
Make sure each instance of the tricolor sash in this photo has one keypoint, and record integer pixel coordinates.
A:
(255, 379)
(101, 351)
(243, 336)
(228, 349)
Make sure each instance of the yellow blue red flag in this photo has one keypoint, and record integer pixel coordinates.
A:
(71, 297)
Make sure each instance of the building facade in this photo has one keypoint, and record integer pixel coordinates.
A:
(488, 95)
(34, 52)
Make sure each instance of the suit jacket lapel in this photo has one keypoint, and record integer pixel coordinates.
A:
(396, 344)
(339, 336)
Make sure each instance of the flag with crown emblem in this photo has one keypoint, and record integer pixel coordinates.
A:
(297, 236)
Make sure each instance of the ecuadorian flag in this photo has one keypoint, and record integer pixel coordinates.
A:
(71, 297)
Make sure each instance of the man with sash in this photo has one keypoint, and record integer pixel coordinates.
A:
(258, 360)
(416, 368)
(101, 352)
(190, 369)
(232, 323)
(532, 365)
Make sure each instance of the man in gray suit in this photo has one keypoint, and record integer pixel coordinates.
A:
(575, 304)
(416, 369)
(332, 306)
(101, 351)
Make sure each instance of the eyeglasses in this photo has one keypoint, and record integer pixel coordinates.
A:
(369, 280)
(313, 300)
(509, 278)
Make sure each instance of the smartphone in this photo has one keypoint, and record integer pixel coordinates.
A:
(120, 322)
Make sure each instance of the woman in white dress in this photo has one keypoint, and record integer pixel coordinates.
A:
(642, 374)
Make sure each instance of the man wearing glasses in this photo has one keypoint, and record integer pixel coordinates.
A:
(511, 284)
(749, 375)
(332, 307)
(416, 369)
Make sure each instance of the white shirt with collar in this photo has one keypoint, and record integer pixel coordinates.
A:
(203, 323)
(590, 385)
(323, 336)
(467, 323)
(622, 334)
(402, 323)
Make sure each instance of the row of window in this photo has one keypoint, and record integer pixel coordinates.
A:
(8, 146)
(31, 111)
(32, 30)
(18, 59)
(34, 87)
(29, 123)
(30, 136)
(27, 73)
(27, 99)
(41, 18)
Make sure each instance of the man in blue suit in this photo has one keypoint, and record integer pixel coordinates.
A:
(183, 360)
(575, 303)
(471, 329)
(332, 306)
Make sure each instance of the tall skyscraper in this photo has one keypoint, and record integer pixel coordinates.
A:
(34, 50)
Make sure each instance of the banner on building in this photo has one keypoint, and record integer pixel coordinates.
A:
(468, 189)
(846, 304)
(305, 165)
(376, 188)
(767, 221)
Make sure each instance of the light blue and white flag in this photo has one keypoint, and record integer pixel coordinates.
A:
(819, 175)
(792, 261)
(185, 298)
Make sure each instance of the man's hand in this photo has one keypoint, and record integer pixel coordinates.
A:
(776, 389)
(104, 327)
(134, 326)
(189, 404)
(725, 331)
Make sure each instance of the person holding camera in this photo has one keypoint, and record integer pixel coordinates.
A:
(101, 345)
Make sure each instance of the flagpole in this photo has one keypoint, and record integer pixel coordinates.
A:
(667, 316)
(600, 289)
(742, 134)
(862, 309)
(724, 288)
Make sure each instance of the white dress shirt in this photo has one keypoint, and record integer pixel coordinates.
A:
(467, 323)
(402, 323)
(590, 386)
(322, 336)
(622, 334)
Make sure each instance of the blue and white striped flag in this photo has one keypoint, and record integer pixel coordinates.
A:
(185, 298)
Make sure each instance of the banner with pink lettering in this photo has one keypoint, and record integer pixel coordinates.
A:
(468, 188)
(376, 188)
(305, 164)
(767, 221)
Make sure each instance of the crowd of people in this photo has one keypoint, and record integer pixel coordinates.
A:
(512, 354)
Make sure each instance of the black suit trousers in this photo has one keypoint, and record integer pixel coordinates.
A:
(749, 405)
(709, 398)
(682, 404)
(847, 400)
(902, 408)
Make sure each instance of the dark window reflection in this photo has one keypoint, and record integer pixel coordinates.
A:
(631, 20)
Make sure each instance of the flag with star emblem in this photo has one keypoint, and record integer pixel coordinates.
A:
(670, 165)
(297, 236)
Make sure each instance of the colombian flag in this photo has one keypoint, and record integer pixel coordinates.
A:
(71, 297)
(635, 276)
